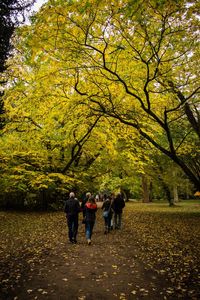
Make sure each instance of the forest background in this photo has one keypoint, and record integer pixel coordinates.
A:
(101, 96)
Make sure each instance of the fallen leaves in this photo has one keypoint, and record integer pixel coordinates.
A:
(26, 240)
(156, 243)
(167, 242)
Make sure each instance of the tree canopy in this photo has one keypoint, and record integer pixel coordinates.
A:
(84, 69)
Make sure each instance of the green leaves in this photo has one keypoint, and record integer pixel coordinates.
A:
(85, 71)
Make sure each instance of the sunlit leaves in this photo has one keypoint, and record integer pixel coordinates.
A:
(80, 61)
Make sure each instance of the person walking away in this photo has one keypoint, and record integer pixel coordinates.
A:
(111, 221)
(90, 218)
(118, 205)
(87, 196)
(107, 214)
(104, 197)
(72, 209)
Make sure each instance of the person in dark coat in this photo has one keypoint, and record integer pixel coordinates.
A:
(118, 205)
(107, 213)
(90, 218)
(72, 209)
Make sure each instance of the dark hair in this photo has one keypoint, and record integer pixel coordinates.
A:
(91, 199)
(119, 196)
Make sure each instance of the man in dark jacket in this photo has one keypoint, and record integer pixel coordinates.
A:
(118, 205)
(72, 209)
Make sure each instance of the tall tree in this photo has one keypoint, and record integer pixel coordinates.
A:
(134, 61)
(10, 13)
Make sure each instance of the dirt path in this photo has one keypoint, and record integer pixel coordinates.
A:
(108, 269)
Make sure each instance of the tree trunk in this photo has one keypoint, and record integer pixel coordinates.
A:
(175, 192)
(145, 188)
(167, 191)
(151, 191)
(175, 187)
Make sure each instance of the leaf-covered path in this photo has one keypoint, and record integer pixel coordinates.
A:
(115, 266)
(105, 270)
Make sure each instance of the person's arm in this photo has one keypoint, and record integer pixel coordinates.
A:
(78, 206)
(82, 203)
(95, 208)
(65, 207)
(113, 205)
(123, 203)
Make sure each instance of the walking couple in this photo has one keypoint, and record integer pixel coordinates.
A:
(72, 209)
(112, 205)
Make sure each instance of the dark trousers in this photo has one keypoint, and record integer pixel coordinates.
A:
(118, 220)
(72, 222)
(107, 221)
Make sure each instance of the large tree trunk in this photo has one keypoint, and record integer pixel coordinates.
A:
(145, 189)
(175, 193)
(151, 191)
(166, 190)
(175, 188)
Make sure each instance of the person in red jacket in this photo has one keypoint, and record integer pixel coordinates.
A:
(87, 196)
(90, 218)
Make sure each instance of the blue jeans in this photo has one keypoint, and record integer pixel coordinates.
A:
(89, 225)
(107, 221)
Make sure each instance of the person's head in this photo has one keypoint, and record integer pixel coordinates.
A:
(71, 195)
(113, 195)
(91, 199)
(119, 195)
(88, 195)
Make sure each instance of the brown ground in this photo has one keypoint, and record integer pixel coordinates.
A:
(108, 269)
(105, 270)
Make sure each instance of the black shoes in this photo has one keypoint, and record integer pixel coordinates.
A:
(73, 241)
